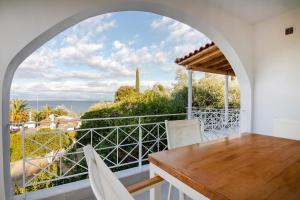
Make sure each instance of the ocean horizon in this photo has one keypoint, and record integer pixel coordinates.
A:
(77, 106)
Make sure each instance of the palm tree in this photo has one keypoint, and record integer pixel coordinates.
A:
(46, 111)
(18, 110)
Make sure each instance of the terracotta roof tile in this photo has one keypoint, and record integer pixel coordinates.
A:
(178, 60)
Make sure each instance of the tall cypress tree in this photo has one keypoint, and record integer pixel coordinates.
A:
(137, 80)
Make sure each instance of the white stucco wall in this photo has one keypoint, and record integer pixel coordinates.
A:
(26, 25)
(277, 76)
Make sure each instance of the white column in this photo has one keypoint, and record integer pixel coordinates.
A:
(226, 98)
(190, 93)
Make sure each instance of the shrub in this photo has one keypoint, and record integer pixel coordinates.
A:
(124, 92)
(43, 177)
(33, 142)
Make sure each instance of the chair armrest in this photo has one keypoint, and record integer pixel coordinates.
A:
(142, 186)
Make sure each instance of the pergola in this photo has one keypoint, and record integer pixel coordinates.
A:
(209, 59)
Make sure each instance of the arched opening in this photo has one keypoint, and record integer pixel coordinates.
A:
(184, 17)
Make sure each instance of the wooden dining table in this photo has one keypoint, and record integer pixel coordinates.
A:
(250, 166)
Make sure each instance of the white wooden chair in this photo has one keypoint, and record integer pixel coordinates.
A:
(106, 186)
(182, 133)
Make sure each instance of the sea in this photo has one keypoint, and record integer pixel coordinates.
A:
(78, 107)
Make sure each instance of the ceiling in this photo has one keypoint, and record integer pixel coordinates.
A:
(256, 10)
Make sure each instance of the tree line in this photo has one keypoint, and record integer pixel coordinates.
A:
(19, 111)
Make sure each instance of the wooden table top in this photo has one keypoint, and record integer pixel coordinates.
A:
(248, 167)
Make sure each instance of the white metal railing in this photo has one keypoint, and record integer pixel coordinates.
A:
(216, 122)
(122, 142)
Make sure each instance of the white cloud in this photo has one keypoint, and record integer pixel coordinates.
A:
(44, 58)
(89, 54)
(73, 74)
(74, 89)
(117, 44)
(91, 29)
(185, 38)
(79, 50)
(177, 31)
(130, 56)
(183, 49)
(55, 80)
(163, 21)
(81, 63)
(106, 25)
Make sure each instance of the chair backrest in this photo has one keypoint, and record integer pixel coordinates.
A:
(105, 185)
(183, 132)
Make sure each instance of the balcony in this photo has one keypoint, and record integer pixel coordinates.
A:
(123, 143)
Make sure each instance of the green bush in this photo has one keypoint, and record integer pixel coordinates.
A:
(54, 140)
(15, 147)
(33, 142)
(43, 177)
(147, 103)
(207, 92)
(124, 92)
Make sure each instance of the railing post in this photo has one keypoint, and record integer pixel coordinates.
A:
(190, 93)
(117, 146)
(140, 144)
(226, 99)
(202, 127)
(92, 137)
(158, 136)
(23, 156)
(60, 152)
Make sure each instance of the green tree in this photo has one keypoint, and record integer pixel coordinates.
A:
(18, 110)
(209, 92)
(181, 78)
(137, 80)
(146, 103)
(161, 90)
(124, 92)
(46, 111)
(234, 94)
(36, 116)
(52, 138)
(62, 111)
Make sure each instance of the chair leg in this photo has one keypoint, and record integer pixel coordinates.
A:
(170, 192)
(181, 194)
(155, 192)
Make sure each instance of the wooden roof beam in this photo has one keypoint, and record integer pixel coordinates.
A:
(219, 66)
(206, 58)
(223, 67)
(214, 71)
(200, 54)
(215, 61)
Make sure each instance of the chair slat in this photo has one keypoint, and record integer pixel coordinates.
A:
(143, 185)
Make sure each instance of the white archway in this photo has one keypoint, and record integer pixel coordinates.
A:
(227, 39)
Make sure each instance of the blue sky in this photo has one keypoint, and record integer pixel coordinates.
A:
(91, 59)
